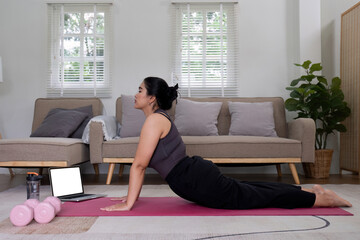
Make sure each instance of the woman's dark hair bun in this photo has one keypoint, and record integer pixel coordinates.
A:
(173, 93)
(164, 94)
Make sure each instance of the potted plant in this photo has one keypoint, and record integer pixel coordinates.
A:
(313, 97)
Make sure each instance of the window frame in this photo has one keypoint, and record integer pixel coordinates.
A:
(57, 85)
(227, 86)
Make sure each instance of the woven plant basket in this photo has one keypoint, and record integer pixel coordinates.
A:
(321, 167)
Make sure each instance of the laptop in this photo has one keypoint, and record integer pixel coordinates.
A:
(66, 185)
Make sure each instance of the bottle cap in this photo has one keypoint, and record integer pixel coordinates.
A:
(33, 176)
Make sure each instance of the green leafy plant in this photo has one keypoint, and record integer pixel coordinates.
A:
(312, 97)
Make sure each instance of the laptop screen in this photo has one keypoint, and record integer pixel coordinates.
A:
(65, 181)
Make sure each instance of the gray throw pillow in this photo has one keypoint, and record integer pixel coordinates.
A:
(132, 119)
(197, 118)
(59, 123)
(80, 130)
(252, 119)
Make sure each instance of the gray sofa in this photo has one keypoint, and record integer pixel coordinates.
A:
(48, 151)
(294, 144)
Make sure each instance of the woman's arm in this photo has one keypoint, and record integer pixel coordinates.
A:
(150, 134)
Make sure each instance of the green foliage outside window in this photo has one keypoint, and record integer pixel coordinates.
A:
(79, 31)
(193, 34)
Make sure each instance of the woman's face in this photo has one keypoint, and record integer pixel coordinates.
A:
(141, 98)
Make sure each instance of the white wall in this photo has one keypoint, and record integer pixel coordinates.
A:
(268, 46)
(309, 30)
(268, 36)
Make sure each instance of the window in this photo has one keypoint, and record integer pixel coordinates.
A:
(205, 50)
(79, 41)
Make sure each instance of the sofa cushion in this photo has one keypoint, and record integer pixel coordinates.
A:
(120, 148)
(222, 146)
(225, 146)
(197, 118)
(224, 119)
(71, 150)
(44, 105)
(60, 123)
(252, 119)
(132, 119)
(80, 130)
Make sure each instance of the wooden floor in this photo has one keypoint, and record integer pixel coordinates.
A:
(154, 179)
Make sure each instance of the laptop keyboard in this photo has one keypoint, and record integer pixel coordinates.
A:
(75, 196)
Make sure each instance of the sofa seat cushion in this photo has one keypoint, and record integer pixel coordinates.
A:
(71, 150)
(223, 146)
(120, 148)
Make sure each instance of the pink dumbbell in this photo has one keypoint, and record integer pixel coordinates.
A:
(55, 202)
(45, 211)
(21, 215)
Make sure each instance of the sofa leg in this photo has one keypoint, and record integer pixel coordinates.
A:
(110, 173)
(121, 170)
(12, 174)
(294, 173)
(278, 169)
(96, 168)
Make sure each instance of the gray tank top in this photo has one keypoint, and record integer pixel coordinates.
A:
(169, 150)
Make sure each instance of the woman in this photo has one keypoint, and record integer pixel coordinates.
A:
(198, 180)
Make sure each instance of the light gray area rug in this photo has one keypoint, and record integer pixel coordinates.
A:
(223, 227)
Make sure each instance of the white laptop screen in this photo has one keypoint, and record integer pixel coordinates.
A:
(65, 181)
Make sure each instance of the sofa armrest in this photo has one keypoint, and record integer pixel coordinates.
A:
(96, 139)
(303, 129)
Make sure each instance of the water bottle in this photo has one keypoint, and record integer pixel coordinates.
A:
(33, 185)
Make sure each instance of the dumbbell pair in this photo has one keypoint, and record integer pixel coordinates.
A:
(42, 212)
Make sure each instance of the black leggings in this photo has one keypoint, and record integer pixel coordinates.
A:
(200, 181)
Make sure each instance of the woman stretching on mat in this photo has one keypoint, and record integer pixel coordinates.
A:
(198, 180)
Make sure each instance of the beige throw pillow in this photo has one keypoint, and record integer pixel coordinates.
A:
(132, 119)
(197, 118)
(252, 119)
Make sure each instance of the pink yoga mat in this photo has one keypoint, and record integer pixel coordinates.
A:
(175, 206)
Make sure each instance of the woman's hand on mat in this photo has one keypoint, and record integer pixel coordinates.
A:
(117, 207)
(122, 199)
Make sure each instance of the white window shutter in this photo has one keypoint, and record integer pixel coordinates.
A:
(80, 41)
(205, 49)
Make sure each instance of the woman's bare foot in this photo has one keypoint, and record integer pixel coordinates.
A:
(315, 189)
(328, 198)
(318, 189)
